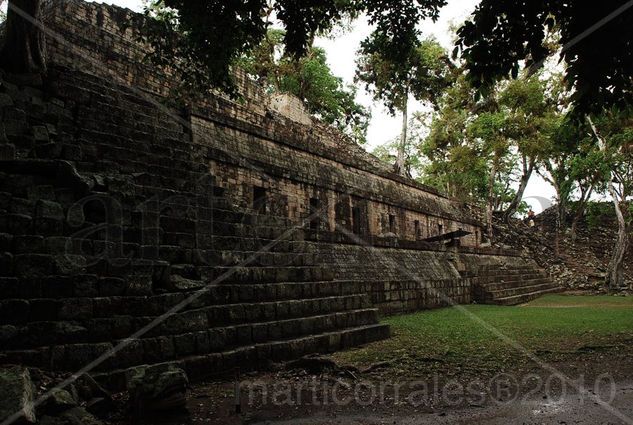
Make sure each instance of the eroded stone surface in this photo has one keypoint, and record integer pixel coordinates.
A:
(16, 394)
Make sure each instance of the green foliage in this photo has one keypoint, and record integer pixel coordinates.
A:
(502, 34)
(597, 212)
(200, 40)
(414, 164)
(424, 73)
(311, 80)
(506, 130)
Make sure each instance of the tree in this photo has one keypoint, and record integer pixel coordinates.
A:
(503, 34)
(586, 169)
(613, 131)
(488, 149)
(530, 118)
(456, 166)
(24, 46)
(311, 80)
(556, 169)
(413, 157)
(424, 75)
(208, 36)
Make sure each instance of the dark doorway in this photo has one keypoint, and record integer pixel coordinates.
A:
(392, 223)
(259, 199)
(417, 231)
(356, 221)
(315, 213)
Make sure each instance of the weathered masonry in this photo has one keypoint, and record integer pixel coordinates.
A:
(254, 232)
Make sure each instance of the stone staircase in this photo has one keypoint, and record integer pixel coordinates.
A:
(249, 292)
(504, 285)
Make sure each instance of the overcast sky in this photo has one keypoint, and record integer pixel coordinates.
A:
(341, 53)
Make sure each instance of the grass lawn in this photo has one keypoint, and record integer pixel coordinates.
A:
(453, 340)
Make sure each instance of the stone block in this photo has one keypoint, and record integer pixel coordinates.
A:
(45, 192)
(14, 311)
(185, 344)
(34, 265)
(7, 150)
(158, 349)
(76, 309)
(7, 264)
(16, 224)
(48, 226)
(21, 206)
(157, 388)
(49, 209)
(16, 394)
(40, 134)
(219, 339)
(28, 244)
(112, 286)
(57, 287)
(9, 287)
(139, 284)
(68, 264)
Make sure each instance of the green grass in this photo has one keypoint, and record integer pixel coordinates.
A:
(467, 337)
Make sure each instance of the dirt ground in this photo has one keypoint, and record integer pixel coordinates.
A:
(595, 389)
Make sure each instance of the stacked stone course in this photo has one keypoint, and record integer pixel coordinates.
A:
(115, 209)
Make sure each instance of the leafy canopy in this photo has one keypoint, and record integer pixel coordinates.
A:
(208, 36)
(425, 73)
(311, 80)
(503, 33)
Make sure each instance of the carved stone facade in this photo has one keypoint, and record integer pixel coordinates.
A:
(251, 235)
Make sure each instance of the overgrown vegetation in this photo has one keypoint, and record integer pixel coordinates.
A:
(310, 79)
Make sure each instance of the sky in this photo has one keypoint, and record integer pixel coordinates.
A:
(341, 52)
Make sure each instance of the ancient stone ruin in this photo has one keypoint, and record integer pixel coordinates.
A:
(211, 234)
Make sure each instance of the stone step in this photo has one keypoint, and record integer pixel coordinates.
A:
(230, 215)
(44, 333)
(231, 258)
(523, 298)
(67, 289)
(258, 274)
(498, 268)
(510, 273)
(154, 349)
(255, 244)
(258, 231)
(513, 284)
(511, 277)
(252, 357)
(519, 290)
(197, 312)
(255, 258)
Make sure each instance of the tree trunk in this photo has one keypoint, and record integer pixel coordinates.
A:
(585, 195)
(525, 179)
(400, 161)
(615, 271)
(24, 50)
(489, 203)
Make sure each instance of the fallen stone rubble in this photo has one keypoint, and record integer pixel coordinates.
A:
(31, 396)
(580, 263)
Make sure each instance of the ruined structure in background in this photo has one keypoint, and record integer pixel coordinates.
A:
(284, 237)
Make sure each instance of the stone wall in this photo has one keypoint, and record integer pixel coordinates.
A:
(115, 208)
(404, 280)
(254, 145)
